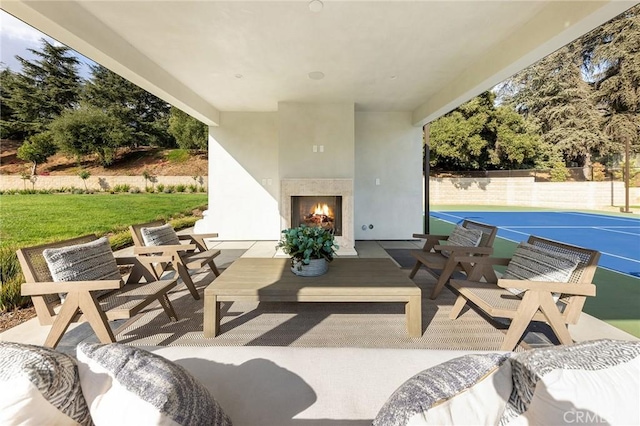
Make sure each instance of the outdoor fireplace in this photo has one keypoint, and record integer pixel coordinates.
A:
(321, 211)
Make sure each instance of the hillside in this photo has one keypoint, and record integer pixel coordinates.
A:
(157, 161)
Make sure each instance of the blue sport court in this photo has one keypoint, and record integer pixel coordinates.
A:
(617, 238)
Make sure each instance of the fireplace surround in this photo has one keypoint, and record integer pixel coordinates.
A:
(324, 189)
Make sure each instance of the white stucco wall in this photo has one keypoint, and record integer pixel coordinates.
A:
(243, 180)
(330, 127)
(388, 148)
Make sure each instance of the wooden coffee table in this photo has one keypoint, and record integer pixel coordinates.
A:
(348, 280)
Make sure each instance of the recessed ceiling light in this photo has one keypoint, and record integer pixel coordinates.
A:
(315, 5)
(316, 75)
(393, 77)
(238, 76)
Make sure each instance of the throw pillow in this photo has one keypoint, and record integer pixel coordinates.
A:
(534, 263)
(39, 386)
(124, 385)
(472, 389)
(463, 237)
(83, 262)
(595, 382)
(160, 236)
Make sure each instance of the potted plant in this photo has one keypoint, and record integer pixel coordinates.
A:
(311, 249)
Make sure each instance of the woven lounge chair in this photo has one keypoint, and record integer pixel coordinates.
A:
(536, 303)
(96, 301)
(439, 260)
(184, 257)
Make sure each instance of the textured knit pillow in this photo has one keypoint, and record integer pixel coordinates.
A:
(595, 382)
(124, 385)
(160, 236)
(463, 237)
(39, 386)
(83, 262)
(534, 263)
(472, 390)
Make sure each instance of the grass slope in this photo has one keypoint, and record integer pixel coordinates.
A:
(32, 219)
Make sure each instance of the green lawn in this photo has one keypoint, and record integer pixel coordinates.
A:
(31, 219)
(617, 295)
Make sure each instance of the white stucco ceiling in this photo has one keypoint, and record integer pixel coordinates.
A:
(420, 56)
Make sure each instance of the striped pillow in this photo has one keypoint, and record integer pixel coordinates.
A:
(463, 237)
(160, 236)
(83, 262)
(534, 263)
(40, 386)
(127, 385)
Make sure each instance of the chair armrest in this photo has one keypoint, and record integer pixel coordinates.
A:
(463, 249)
(142, 259)
(483, 260)
(164, 249)
(553, 286)
(42, 288)
(430, 236)
(190, 236)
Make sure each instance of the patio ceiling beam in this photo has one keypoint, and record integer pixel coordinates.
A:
(556, 25)
(92, 38)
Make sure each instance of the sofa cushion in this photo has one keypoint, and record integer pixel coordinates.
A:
(39, 386)
(463, 237)
(83, 262)
(472, 389)
(534, 263)
(128, 385)
(160, 236)
(595, 382)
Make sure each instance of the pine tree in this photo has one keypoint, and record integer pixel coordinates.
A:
(44, 88)
(8, 123)
(146, 114)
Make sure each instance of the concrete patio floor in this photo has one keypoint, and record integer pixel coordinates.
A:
(588, 327)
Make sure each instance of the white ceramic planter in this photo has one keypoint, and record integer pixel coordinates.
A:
(313, 269)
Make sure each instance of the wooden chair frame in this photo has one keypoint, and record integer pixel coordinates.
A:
(124, 301)
(537, 304)
(183, 257)
(443, 267)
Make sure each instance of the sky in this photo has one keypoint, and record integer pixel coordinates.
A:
(16, 37)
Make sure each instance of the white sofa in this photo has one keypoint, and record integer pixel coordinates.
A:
(589, 383)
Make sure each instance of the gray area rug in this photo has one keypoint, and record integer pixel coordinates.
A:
(378, 325)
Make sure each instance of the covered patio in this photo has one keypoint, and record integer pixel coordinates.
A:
(315, 99)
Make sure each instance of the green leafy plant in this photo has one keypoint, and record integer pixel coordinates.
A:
(306, 242)
(84, 175)
(160, 187)
(181, 187)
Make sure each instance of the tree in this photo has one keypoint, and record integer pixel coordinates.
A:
(37, 149)
(84, 175)
(90, 130)
(611, 55)
(44, 88)
(553, 94)
(8, 125)
(189, 132)
(146, 114)
(479, 136)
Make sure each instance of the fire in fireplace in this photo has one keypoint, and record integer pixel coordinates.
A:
(322, 211)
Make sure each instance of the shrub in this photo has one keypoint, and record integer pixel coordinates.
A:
(134, 190)
(181, 187)
(11, 280)
(203, 189)
(559, 172)
(184, 222)
(598, 172)
(120, 239)
(169, 189)
(124, 187)
(160, 187)
(193, 188)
